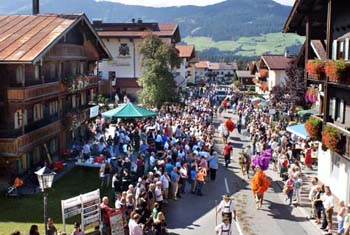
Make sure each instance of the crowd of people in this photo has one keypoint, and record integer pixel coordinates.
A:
(157, 160)
(289, 155)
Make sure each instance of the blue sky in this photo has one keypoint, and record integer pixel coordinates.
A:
(164, 3)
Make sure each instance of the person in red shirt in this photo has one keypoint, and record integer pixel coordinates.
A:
(227, 154)
(105, 213)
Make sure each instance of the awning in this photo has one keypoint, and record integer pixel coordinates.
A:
(298, 130)
(129, 110)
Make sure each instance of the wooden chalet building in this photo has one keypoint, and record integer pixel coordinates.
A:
(328, 22)
(48, 77)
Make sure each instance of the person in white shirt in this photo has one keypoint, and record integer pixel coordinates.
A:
(159, 194)
(227, 208)
(165, 185)
(328, 205)
(224, 228)
(134, 227)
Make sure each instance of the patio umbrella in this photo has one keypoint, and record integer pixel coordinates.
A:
(129, 110)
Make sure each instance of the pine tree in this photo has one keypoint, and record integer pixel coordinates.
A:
(157, 79)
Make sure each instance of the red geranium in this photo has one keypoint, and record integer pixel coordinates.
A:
(331, 138)
(313, 127)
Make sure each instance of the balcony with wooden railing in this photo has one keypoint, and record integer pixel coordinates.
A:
(23, 143)
(33, 92)
(337, 72)
(64, 51)
(80, 82)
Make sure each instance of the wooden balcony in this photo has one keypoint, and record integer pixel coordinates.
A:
(66, 52)
(17, 146)
(34, 92)
(346, 138)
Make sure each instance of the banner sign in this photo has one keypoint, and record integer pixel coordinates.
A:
(116, 222)
(87, 205)
(94, 111)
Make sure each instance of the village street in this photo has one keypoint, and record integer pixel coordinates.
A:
(193, 215)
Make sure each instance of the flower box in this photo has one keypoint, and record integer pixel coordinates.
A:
(331, 138)
(315, 68)
(335, 70)
(313, 127)
(263, 73)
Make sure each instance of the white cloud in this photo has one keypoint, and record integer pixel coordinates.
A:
(286, 2)
(167, 3)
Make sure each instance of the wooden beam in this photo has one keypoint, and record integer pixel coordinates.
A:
(329, 38)
(307, 46)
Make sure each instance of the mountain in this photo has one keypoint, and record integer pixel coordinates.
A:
(225, 21)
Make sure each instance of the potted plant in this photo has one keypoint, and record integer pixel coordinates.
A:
(68, 81)
(264, 87)
(311, 95)
(335, 70)
(263, 73)
(314, 68)
(331, 138)
(313, 127)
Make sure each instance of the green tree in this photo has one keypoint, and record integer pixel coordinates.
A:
(157, 79)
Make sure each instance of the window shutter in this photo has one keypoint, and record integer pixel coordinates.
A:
(334, 51)
(25, 119)
(346, 55)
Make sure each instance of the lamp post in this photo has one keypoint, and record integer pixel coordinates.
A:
(45, 178)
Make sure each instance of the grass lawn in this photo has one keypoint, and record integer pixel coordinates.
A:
(20, 214)
(272, 43)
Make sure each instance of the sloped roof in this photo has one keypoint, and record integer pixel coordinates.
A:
(276, 62)
(244, 74)
(25, 38)
(202, 65)
(185, 51)
(136, 30)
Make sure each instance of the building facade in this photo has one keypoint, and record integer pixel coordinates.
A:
(272, 72)
(124, 41)
(47, 65)
(327, 21)
(183, 73)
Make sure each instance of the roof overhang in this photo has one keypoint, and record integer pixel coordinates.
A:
(81, 18)
(315, 10)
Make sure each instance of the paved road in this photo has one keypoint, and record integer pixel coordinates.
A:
(194, 215)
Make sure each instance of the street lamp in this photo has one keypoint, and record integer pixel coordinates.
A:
(45, 178)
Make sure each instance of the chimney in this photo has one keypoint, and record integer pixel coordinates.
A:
(286, 53)
(35, 7)
(133, 20)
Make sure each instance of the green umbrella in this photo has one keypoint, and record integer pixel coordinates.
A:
(129, 110)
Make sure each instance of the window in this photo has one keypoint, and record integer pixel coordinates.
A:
(37, 72)
(340, 111)
(74, 101)
(83, 98)
(20, 74)
(38, 112)
(18, 119)
(52, 70)
(82, 68)
(332, 108)
(340, 54)
(111, 75)
(73, 68)
(53, 145)
(53, 107)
